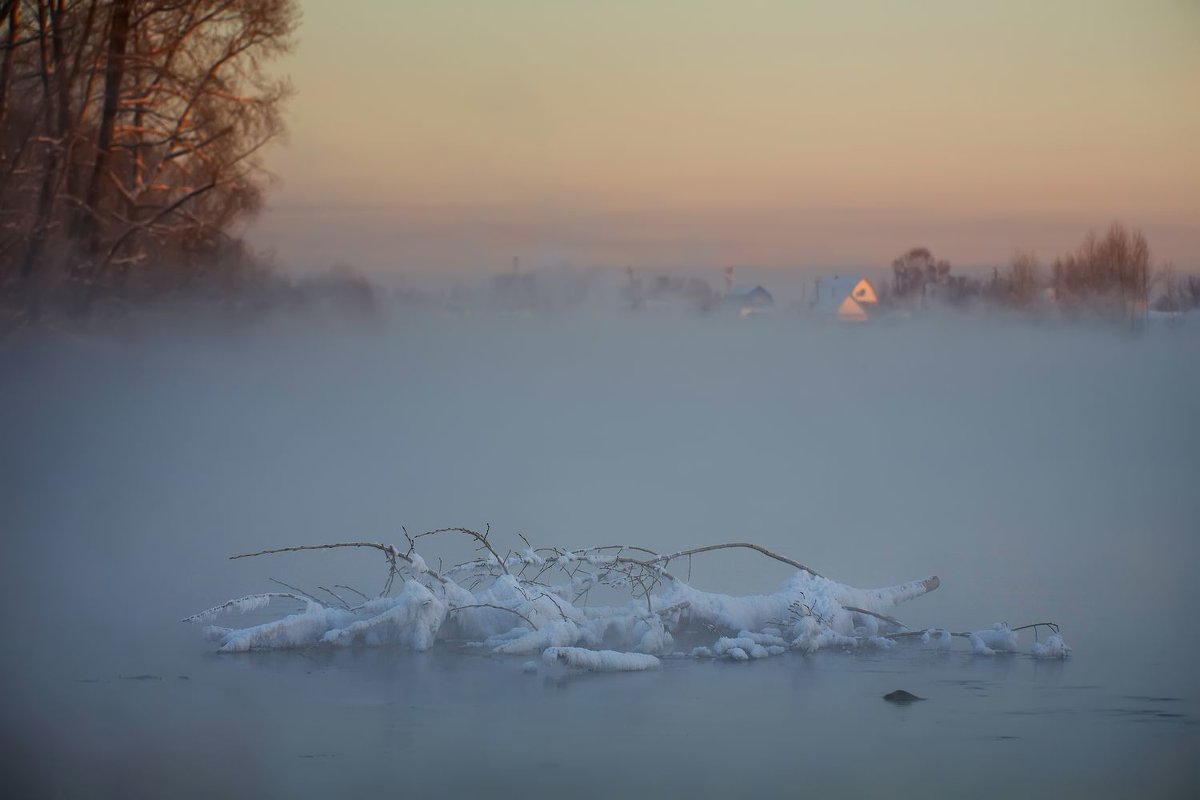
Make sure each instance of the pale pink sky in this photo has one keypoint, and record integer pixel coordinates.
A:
(451, 136)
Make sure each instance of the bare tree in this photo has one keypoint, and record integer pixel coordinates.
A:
(130, 134)
(1109, 275)
(916, 268)
(1018, 285)
(1179, 292)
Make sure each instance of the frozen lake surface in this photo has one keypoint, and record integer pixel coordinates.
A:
(372, 723)
(1042, 473)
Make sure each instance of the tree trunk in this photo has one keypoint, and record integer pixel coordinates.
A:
(13, 14)
(89, 231)
(50, 164)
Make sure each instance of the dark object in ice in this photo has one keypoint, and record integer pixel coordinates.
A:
(901, 696)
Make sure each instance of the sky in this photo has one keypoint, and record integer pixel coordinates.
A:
(448, 137)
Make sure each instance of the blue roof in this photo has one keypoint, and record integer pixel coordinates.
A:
(745, 290)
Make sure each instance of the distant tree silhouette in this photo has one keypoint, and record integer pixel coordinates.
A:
(1179, 292)
(1018, 285)
(914, 270)
(1109, 275)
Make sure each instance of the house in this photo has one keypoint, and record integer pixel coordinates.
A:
(748, 299)
(851, 299)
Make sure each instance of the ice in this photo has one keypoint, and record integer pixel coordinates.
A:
(250, 603)
(744, 645)
(1053, 647)
(508, 607)
(937, 639)
(412, 618)
(996, 639)
(555, 634)
(600, 660)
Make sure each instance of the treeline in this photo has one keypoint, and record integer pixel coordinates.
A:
(130, 141)
(1109, 276)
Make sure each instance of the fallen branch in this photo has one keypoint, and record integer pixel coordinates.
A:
(808, 613)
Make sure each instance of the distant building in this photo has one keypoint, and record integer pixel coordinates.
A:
(851, 299)
(747, 299)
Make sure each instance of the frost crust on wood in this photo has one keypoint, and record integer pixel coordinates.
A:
(535, 600)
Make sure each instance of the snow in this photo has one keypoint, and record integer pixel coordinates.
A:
(937, 639)
(813, 636)
(522, 641)
(600, 660)
(412, 618)
(1053, 647)
(996, 639)
(249, 603)
(744, 645)
(512, 615)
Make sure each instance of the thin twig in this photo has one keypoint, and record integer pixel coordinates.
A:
(482, 538)
(665, 559)
(335, 595)
(352, 589)
(294, 589)
(884, 617)
(554, 600)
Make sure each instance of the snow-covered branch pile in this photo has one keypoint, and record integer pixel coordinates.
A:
(534, 600)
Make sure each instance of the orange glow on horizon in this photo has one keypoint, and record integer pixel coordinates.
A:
(780, 133)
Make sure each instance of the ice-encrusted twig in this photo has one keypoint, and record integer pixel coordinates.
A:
(390, 551)
(350, 589)
(876, 615)
(335, 596)
(249, 602)
(297, 591)
(666, 559)
(482, 538)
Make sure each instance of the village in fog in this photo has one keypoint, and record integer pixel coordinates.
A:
(1108, 280)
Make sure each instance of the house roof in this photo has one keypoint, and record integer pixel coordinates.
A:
(831, 291)
(851, 311)
(745, 290)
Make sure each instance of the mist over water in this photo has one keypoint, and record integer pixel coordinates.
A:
(1044, 473)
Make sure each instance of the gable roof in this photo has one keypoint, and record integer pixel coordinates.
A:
(745, 290)
(851, 311)
(864, 292)
(831, 291)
